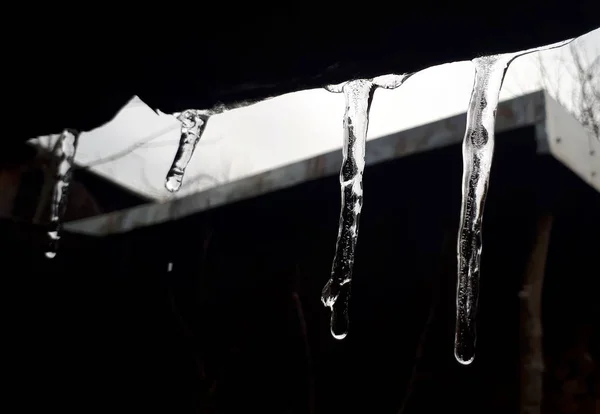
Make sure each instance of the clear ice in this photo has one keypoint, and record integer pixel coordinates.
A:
(477, 150)
(65, 153)
(193, 123)
(358, 94)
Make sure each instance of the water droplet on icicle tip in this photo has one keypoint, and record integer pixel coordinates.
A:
(193, 123)
(339, 310)
(65, 154)
(336, 293)
(478, 151)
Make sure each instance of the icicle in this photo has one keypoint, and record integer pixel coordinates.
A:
(193, 123)
(478, 150)
(358, 94)
(67, 146)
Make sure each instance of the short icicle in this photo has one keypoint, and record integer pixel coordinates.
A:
(65, 153)
(193, 123)
(358, 95)
(477, 150)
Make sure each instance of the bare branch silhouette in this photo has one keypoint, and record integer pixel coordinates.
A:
(585, 98)
(200, 178)
(126, 151)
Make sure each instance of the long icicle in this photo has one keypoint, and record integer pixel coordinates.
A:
(358, 95)
(66, 149)
(478, 150)
(193, 123)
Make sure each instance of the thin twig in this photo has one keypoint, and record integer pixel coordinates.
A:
(302, 322)
(435, 299)
(126, 151)
(303, 330)
(532, 356)
(187, 333)
(418, 356)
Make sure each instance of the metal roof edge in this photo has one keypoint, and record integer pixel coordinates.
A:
(518, 112)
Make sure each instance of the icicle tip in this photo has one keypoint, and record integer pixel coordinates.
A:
(173, 183)
(337, 336)
(462, 361)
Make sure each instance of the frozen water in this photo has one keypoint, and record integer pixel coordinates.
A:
(65, 153)
(358, 95)
(478, 150)
(193, 123)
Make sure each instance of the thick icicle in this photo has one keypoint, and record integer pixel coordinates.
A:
(358, 94)
(193, 123)
(66, 148)
(478, 150)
